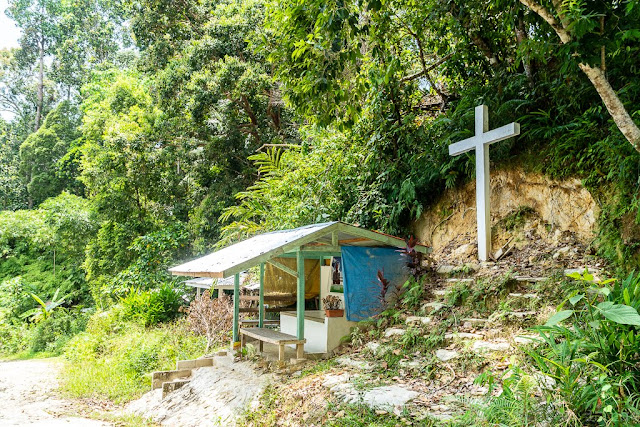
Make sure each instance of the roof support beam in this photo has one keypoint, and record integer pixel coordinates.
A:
(378, 237)
(300, 302)
(236, 308)
(284, 268)
(322, 248)
(261, 297)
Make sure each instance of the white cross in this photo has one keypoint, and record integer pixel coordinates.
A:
(480, 142)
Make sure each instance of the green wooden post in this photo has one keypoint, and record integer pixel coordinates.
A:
(236, 307)
(261, 309)
(300, 307)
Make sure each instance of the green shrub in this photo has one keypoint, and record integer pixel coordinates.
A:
(52, 333)
(595, 362)
(14, 336)
(154, 306)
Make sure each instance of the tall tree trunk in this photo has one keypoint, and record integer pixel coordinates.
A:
(521, 37)
(615, 107)
(596, 75)
(40, 87)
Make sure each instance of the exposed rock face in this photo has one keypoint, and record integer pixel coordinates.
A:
(565, 205)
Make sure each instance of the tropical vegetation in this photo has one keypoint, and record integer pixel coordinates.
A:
(136, 133)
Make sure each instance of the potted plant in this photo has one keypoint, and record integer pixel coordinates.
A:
(332, 305)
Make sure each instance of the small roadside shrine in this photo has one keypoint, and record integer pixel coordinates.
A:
(310, 263)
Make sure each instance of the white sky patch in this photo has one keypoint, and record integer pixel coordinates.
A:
(9, 33)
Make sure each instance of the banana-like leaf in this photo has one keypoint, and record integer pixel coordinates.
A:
(38, 300)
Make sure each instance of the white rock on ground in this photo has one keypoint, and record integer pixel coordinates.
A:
(463, 336)
(358, 364)
(418, 319)
(392, 332)
(377, 349)
(463, 251)
(432, 307)
(526, 339)
(474, 321)
(332, 380)
(410, 363)
(445, 269)
(215, 396)
(388, 397)
(446, 355)
(490, 346)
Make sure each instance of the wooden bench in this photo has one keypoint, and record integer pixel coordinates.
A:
(273, 337)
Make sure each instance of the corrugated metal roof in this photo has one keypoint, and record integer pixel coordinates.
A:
(251, 252)
(208, 282)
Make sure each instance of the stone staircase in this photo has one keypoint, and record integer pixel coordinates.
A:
(475, 340)
(172, 380)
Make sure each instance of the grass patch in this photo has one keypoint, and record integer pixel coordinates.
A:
(113, 358)
(349, 415)
(318, 367)
(103, 379)
(123, 420)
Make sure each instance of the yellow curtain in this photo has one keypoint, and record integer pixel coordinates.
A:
(278, 282)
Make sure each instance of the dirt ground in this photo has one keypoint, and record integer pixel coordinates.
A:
(29, 396)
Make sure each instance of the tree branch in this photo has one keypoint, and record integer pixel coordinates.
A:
(423, 71)
(545, 14)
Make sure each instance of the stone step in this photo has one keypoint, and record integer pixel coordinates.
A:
(418, 320)
(160, 377)
(445, 269)
(524, 296)
(439, 292)
(463, 336)
(445, 355)
(480, 346)
(474, 321)
(527, 339)
(394, 332)
(522, 314)
(528, 279)
(195, 363)
(468, 281)
(433, 307)
(171, 386)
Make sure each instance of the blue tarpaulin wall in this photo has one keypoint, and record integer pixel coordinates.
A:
(361, 286)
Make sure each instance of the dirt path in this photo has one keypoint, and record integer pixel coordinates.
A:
(28, 396)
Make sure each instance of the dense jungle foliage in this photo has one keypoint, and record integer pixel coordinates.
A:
(135, 133)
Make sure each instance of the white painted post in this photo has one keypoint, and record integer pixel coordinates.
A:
(480, 142)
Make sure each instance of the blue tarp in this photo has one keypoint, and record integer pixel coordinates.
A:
(361, 285)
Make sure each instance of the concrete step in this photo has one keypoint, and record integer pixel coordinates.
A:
(160, 377)
(195, 363)
(174, 385)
